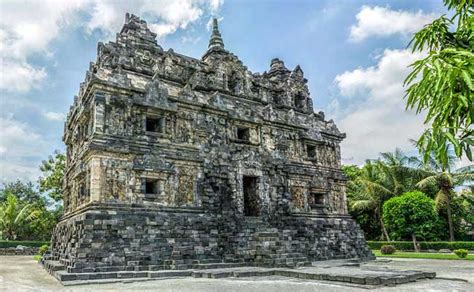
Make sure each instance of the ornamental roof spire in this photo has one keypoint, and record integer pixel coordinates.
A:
(216, 41)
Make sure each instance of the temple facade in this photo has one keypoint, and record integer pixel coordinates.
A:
(175, 162)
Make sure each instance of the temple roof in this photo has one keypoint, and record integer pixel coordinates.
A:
(216, 41)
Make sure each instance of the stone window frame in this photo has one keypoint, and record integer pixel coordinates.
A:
(309, 189)
(151, 197)
(299, 100)
(243, 133)
(309, 145)
(158, 120)
(311, 151)
(252, 128)
(312, 193)
(156, 114)
(151, 186)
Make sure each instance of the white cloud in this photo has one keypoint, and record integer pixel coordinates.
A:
(164, 17)
(19, 76)
(382, 21)
(190, 40)
(28, 27)
(19, 145)
(373, 115)
(53, 116)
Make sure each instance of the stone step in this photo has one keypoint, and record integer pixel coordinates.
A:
(180, 266)
(219, 265)
(206, 261)
(54, 266)
(212, 275)
(162, 274)
(291, 255)
(232, 259)
(373, 278)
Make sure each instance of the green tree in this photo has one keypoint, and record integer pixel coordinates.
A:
(412, 215)
(445, 182)
(466, 197)
(53, 173)
(401, 172)
(369, 192)
(364, 216)
(379, 180)
(16, 217)
(42, 227)
(23, 191)
(442, 83)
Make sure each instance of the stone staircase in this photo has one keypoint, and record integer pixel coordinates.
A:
(265, 246)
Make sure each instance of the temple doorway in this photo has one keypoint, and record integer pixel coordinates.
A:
(251, 200)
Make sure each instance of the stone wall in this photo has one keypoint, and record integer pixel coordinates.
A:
(19, 250)
(114, 238)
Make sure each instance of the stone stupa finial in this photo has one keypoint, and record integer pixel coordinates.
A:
(216, 41)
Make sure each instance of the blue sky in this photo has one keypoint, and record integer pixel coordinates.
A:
(352, 52)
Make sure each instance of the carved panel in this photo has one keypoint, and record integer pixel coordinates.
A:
(298, 197)
(186, 191)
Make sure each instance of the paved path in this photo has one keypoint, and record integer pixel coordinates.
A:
(22, 273)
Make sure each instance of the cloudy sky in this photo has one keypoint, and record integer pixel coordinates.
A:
(353, 53)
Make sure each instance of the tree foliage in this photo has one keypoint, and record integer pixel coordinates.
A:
(412, 214)
(442, 83)
(23, 191)
(377, 181)
(53, 173)
(371, 185)
(445, 183)
(29, 214)
(16, 218)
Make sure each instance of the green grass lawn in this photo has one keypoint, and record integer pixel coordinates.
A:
(423, 255)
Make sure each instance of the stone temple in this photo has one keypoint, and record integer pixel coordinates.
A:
(179, 163)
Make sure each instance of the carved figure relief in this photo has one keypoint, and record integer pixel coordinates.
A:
(298, 197)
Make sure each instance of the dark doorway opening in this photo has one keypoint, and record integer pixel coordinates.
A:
(251, 202)
(243, 134)
(300, 100)
(151, 186)
(154, 125)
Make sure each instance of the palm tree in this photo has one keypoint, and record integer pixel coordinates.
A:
(14, 217)
(371, 192)
(394, 174)
(446, 181)
(402, 172)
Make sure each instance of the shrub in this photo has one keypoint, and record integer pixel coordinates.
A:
(15, 243)
(424, 245)
(409, 216)
(387, 249)
(43, 249)
(462, 253)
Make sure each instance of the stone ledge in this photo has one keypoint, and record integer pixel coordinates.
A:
(342, 274)
(24, 250)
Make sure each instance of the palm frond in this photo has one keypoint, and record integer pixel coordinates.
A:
(427, 182)
(362, 204)
(441, 199)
